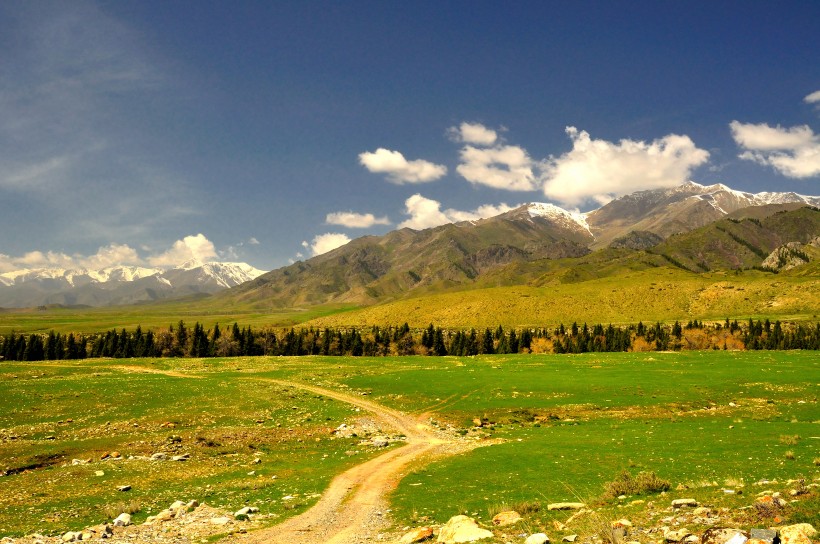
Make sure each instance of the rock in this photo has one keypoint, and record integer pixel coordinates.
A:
(566, 506)
(99, 473)
(569, 538)
(702, 511)
(476, 422)
(763, 535)
(115, 455)
(723, 535)
(192, 504)
(165, 515)
(380, 441)
(160, 456)
(183, 457)
(245, 511)
(222, 520)
(676, 536)
(86, 536)
(75, 462)
(506, 518)
(176, 506)
(462, 529)
(123, 520)
(124, 488)
(801, 533)
(680, 503)
(417, 535)
(70, 536)
(537, 538)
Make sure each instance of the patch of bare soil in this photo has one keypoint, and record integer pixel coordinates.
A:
(352, 510)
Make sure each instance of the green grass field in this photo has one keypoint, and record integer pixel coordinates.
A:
(567, 425)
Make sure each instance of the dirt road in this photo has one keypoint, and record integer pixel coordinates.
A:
(352, 509)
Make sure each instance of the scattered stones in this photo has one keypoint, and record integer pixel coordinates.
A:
(461, 529)
(680, 503)
(537, 538)
(417, 535)
(566, 506)
(380, 441)
(506, 518)
(123, 520)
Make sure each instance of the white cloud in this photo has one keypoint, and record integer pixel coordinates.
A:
(197, 248)
(398, 169)
(813, 98)
(502, 167)
(426, 213)
(112, 255)
(602, 170)
(326, 242)
(253, 241)
(794, 152)
(473, 133)
(355, 220)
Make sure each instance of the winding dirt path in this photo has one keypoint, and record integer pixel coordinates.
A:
(350, 510)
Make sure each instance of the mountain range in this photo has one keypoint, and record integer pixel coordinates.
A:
(692, 227)
(118, 285)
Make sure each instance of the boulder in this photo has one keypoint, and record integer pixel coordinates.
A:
(123, 520)
(801, 533)
(71, 536)
(462, 529)
(506, 518)
(676, 536)
(680, 503)
(537, 538)
(723, 535)
(222, 520)
(566, 506)
(417, 535)
(245, 511)
(124, 488)
(380, 441)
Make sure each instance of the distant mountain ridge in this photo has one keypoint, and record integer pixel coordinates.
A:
(504, 248)
(119, 284)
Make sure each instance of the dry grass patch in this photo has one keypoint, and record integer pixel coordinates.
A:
(626, 484)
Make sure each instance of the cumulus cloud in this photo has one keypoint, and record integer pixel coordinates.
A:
(794, 152)
(502, 167)
(603, 170)
(813, 98)
(426, 213)
(326, 242)
(191, 248)
(253, 241)
(108, 256)
(355, 220)
(398, 169)
(473, 133)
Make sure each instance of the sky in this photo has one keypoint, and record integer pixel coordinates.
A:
(150, 132)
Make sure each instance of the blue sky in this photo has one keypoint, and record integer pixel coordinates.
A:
(151, 132)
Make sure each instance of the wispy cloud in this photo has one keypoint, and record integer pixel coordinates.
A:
(398, 169)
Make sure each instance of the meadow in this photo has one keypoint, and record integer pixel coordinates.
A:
(561, 427)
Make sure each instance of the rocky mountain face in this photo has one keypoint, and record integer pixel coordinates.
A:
(118, 285)
(681, 209)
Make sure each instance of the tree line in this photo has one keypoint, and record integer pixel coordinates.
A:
(181, 340)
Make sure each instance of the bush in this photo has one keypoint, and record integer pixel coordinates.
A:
(626, 484)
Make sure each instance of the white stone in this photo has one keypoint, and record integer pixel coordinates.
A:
(537, 538)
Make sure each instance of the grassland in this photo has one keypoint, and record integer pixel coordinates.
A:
(656, 295)
(703, 420)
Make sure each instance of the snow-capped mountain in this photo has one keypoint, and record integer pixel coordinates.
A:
(680, 209)
(118, 285)
(559, 216)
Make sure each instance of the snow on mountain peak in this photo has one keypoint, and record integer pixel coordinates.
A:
(558, 214)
